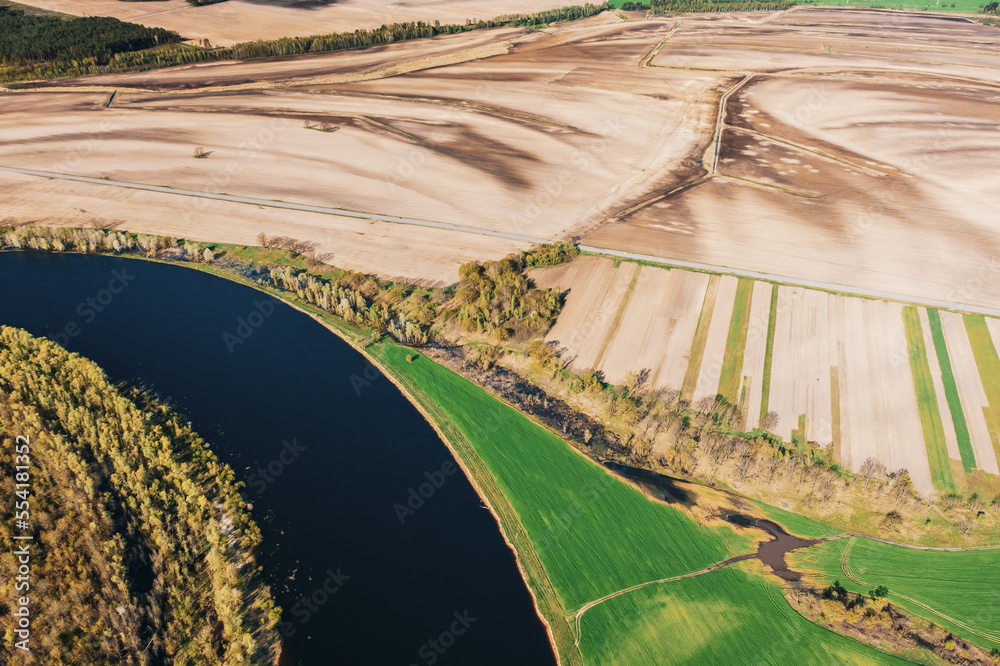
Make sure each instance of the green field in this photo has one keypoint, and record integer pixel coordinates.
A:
(772, 321)
(951, 393)
(595, 535)
(732, 363)
(962, 588)
(700, 339)
(989, 372)
(927, 403)
(796, 524)
(729, 616)
(967, 6)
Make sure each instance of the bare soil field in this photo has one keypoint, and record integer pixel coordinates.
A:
(227, 23)
(428, 256)
(859, 151)
(840, 366)
(862, 139)
(754, 354)
(970, 389)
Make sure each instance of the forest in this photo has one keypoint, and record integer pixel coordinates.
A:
(141, 549)
(68, 63)
(31, 39)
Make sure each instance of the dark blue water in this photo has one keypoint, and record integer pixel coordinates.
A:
(327, 448)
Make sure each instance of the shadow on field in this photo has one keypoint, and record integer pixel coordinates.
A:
(656, 485)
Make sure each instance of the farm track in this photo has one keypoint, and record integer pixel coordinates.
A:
(844, 565)
(850, 572)
(634, 256)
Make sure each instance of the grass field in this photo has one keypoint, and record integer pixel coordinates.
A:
(700, 339)
(951, 393)
(732, 364)
(594, 534)
(927, 403)
(967, 6)
(989, 371)
(958, 590)
(730, 616)
(796, 524)
(772, 322)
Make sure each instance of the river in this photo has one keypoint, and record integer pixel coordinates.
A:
(329, 449)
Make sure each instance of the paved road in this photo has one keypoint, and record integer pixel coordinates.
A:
(784, 279)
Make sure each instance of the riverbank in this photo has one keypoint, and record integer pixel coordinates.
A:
(591, 537)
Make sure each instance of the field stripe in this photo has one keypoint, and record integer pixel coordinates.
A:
(927, 402)
(988, 364)
(772, 321)
(835, 413)
(715, 344)
(951, 440)
(732, 364)
(700, 339)
(617, 321)
(951, 392)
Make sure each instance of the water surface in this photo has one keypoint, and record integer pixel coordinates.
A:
(328, 449)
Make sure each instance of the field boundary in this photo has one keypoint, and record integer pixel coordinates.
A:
(697, 354)
(927, 403)
(951, 393)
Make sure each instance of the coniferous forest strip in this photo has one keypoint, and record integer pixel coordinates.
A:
(143, 544)
(67, 63)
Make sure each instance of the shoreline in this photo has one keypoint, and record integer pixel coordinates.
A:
(412, 399)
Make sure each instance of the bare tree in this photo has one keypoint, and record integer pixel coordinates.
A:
(263, 240)
(871, 470)
(771, 468)
(964, 525)
(770, 421)
(746, 463)
(669, 395)
(891, 521)
(200, 153)
(706, 405)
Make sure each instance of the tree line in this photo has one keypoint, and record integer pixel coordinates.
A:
(32, 39)
(143, 540)
(495, 298)
(64, 64)
(680, 6)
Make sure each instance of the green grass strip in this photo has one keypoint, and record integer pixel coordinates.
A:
(772, 321)
(732, 362)
(700, 340)
(927, 403)
(835, 411)
(951, 393)
(988, 363)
